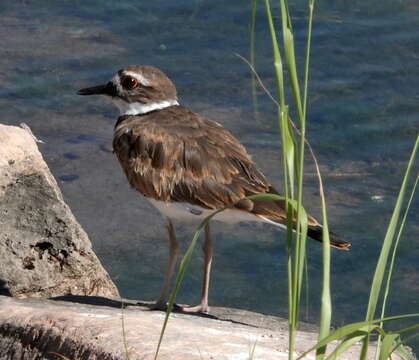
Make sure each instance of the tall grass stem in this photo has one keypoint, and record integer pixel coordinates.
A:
(383, 258)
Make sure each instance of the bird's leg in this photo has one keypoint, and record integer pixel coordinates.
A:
(161, 303)
(207, 249)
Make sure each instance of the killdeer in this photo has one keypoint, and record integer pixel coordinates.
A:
(185, 165)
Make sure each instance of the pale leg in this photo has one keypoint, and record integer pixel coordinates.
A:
(161, 303)
(207, 249)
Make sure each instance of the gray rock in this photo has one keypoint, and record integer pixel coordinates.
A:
(37, 329)
(44, 252)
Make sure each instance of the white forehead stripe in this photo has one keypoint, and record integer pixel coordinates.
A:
(137, 108)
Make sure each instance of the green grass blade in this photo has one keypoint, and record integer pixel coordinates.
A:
(252, 351)
(407, 329)
(289, 51)
(188, 255)
(326, 301)
(288, 154)
(401, 351)
(277, 57)
(59, 355)
(180, 275)
(386, 347)
(293, 168)
(346, 344)
(348, 330)
(124, 336)
(382, 261)
(393, 256)
(288, 148)
(307, 59)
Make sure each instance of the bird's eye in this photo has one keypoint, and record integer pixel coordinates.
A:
(128, 82)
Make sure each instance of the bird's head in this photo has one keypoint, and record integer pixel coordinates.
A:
(137, 89)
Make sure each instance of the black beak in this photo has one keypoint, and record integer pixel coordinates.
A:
(107, 89)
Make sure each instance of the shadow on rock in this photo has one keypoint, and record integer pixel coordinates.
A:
(91, 300)
(102, 301)
(3, 289)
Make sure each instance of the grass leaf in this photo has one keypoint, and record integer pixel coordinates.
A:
(382, 261)
(386, 347)
(348, 330)
(188, 255)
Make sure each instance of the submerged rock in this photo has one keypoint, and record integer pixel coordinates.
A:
(44, 252)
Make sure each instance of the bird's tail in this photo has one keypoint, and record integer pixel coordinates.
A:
(272, 211)
(316, 233)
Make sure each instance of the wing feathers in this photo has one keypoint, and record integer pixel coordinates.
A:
(176, 155)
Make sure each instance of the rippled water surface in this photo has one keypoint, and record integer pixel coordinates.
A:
(363, 120)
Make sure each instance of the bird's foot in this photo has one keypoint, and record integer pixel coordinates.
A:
(162, 306)
(201, 308)
(159, 305)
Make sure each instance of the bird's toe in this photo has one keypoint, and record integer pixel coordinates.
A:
(201, 308)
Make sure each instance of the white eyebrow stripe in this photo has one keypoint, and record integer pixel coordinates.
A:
(117, 83)
(141, 79)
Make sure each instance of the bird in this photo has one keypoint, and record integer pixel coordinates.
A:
(187, 166)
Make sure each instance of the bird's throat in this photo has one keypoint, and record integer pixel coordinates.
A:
(137, 108)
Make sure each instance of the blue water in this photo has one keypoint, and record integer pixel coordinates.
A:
(362, 123)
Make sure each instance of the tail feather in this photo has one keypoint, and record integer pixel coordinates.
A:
(272, 211)
(316, 233)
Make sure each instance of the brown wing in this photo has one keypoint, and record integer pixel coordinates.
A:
(176, 155)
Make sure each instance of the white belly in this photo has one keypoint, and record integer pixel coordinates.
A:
(188, 212)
